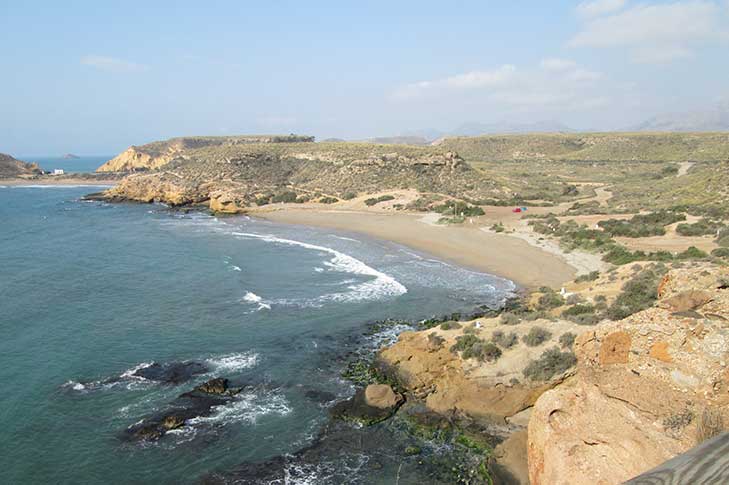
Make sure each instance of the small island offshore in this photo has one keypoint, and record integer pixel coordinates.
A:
(609, 361)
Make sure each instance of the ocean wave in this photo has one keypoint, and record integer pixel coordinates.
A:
(381, 286)
(233, 362)
(251, 297)
(58, 186)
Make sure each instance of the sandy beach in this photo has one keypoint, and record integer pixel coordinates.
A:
(468, 246)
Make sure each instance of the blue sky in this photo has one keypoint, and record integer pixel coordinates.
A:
(95, 77)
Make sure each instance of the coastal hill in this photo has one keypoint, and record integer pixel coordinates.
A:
(666, 147)
(158, 153)
(11, 168)
(232, 176)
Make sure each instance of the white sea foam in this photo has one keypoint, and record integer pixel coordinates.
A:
(344, 238)
(251, 297)
(233, 362)
(235, 268)
(129, 373)
(246, 407)
(380, 286)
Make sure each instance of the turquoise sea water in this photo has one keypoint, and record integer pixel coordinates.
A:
(89, 292)
(69, 165)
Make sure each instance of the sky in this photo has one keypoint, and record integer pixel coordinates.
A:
(93, 77)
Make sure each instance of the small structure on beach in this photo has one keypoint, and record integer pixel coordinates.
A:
(58, 171)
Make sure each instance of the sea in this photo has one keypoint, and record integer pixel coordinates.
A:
(93, 293)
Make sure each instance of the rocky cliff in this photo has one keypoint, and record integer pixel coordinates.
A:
(11, 168)
(157, 154)
(229, 178)
(645, 389)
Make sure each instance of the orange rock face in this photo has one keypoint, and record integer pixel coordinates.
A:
(615, 349)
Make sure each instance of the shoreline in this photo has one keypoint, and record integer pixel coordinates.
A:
(471, 247)
(57, 182)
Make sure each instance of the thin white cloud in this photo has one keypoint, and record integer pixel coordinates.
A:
(554, 83)
(557, 64)
(470, 80)
(658, 32)
(599, 7)
(111, 64)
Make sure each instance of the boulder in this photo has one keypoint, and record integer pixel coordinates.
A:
(382, 396)
(171, 372)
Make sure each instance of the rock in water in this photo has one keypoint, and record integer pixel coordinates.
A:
(369, 406)
(172, 372)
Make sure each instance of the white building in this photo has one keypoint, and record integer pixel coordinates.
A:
(57, 171)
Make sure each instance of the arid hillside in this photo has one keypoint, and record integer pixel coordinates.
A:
(11, 168)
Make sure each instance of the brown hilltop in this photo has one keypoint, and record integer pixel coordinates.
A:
(232, 176)
(11, 168)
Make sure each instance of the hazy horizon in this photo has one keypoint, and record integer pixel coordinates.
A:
(93, 79)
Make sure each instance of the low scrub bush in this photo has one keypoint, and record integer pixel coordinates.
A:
(450, 326)
(692, 253)
(550, 299)
(328, 200)
(536, 336)
(703, 227)
(508, 318)
(436, 340)
(459, 208)
(592, 276)
(720, 252)
(579, 309)
(376, 200)
(642, 225)
(472, 347)
(552, 362)
(504, 340)
(566, 340)
(637, 294)
(498, 227)
(349, 195)
(285, 197)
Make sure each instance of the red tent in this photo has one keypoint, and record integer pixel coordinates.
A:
(516, 209)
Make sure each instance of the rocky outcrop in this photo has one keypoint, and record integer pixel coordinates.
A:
(643, 388)
(230, 178)
(453, 386)
(158, 154)
(12, 168)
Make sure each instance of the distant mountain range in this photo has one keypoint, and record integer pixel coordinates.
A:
(715, 119)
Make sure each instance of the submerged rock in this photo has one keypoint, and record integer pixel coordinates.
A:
(199, 402)
(172, 372)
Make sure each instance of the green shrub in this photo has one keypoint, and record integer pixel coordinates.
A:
(450, 326)
(536, 336)
(328, 200)
(580, 309)
(585, 319)
(349, 195)
(720, 252)
(263, 200)
(459, 208)
(286, 197)
(504, 340)
(566, 340)
(550, 299)
(701, 228)
(472, 347)
(592, 276)
(549, 364)
(637, 294)
(641, 225)
(508, 318)
(692, 253)
(498, 227)
(376, 200)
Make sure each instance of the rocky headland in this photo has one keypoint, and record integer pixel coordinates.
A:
(12, 168)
